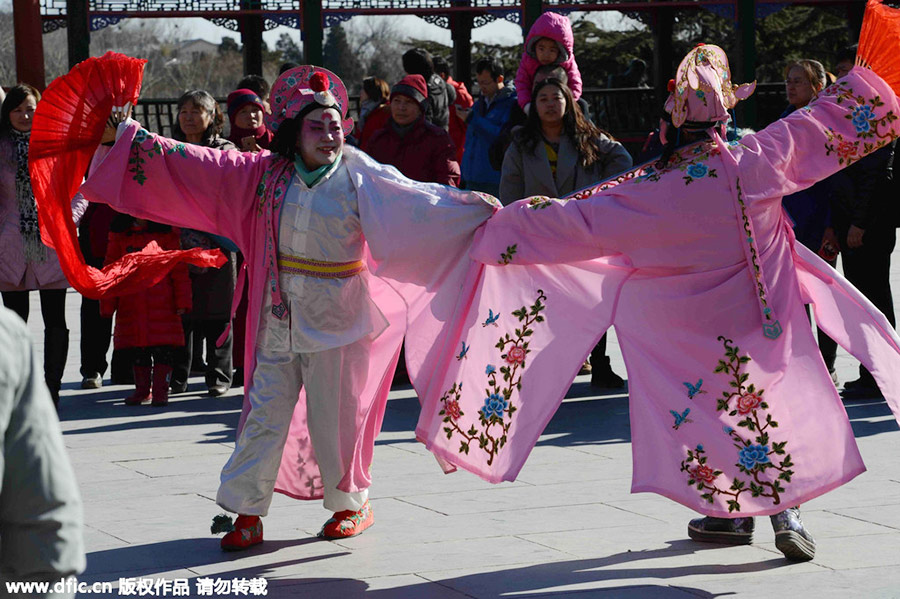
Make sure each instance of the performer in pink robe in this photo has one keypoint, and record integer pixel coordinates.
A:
(315, 221)
(733, 412)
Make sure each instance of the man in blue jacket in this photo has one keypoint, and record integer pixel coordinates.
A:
(485, 121)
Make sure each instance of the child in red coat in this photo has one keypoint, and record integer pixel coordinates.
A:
(149, 322)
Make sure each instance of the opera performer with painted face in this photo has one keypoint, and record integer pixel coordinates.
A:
(344, 256)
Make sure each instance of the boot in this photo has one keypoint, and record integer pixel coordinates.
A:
(141, 386)
(727, 531)
(348, 523)
(248, 531)
(864, 387)
(56, 351)
(162, 373)
(602, 375)
(791, 537)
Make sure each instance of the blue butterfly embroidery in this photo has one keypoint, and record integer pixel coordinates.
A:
(491, 319)
(680, 418)
(694, 389)
(463, 352)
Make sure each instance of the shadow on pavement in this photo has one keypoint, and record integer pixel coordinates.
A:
(187, 409)
(542, 580)
(583, 418)
(862, 412)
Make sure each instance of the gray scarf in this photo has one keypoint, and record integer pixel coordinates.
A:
(35, 250)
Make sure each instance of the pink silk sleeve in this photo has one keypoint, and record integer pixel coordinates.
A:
(852, 118)
(180, 184)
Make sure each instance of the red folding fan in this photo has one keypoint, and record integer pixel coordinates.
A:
(879, 42)
(67, 127)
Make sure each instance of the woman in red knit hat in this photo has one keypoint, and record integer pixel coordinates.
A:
(420, 150)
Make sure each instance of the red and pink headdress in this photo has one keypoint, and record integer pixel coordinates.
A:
(306, 88)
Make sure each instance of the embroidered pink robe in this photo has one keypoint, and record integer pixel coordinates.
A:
(732, 409)
(418, 235)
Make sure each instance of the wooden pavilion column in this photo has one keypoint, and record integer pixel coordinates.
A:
(746, 14)
(28, 34)
(313, 31)
(854, 18)
(662, 26)
(461, 33)
(531, 10)
(251, 38)
(78, 31)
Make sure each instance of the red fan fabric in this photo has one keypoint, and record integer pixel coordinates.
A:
(878, 41)
(67, 127)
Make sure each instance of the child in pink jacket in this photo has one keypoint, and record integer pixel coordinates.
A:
(550, 41)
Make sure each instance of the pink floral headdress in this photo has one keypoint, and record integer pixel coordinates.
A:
(702, 90)
(306, 87)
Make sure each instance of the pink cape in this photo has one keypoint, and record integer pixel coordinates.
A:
(418, 236)
(732, 409)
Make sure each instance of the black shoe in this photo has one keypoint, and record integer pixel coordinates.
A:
(606, 379)
(178, 386)
(218, 390)
(861, 387)
(791, 537)
(92, 381)
(602, 375)
(727, 531)
(237, 379)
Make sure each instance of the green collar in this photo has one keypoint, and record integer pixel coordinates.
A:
(313, 177)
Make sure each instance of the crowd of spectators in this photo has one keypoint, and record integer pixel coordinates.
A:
(534, 137)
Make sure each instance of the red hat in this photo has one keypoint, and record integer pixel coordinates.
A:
(240, 98)
(412, 86)
(305, 88)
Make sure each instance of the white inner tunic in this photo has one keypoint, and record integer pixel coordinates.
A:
(321, 223)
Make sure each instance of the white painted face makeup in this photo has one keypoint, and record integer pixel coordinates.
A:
(321, 137)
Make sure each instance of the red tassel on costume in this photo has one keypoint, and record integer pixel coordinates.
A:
(66, 130)
(879, 42)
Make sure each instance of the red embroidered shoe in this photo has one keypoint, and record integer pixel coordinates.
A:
(248, 531)
(348, 523)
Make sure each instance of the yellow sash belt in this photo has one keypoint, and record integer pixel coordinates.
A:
(319, 269)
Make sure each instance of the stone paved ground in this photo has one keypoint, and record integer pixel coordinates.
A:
(567, 528)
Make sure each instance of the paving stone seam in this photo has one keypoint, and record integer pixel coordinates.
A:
(109, 534)
(893, 528)
(621, 509)
(522, 537)
(445, 586)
